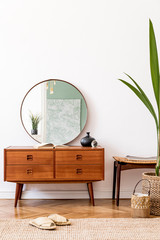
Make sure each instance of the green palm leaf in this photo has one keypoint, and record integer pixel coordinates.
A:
(146, 99)
(154, 68)
(142, 96)
(154, 65)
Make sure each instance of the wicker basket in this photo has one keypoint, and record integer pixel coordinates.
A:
(154, 193)
(140, 203)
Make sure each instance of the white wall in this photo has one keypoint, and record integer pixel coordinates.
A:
(89, 43)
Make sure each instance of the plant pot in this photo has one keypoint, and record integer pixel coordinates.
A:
(154, 192)
(34, 131)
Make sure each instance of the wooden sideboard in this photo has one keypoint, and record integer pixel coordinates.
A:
(24, 165)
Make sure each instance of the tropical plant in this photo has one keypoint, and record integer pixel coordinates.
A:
(154, 69)
(35, 119)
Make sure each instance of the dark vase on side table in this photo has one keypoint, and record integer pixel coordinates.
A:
(86, 141)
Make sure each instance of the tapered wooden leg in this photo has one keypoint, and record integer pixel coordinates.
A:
(118, 182)
(17, 193)
(20, 192)
(114, 179)
(90, 190)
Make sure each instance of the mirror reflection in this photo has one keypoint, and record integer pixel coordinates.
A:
(54, 111)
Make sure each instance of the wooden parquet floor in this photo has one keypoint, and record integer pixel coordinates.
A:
(105, 208)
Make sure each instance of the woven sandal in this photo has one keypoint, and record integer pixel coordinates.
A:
(43, 223)
(59, 220)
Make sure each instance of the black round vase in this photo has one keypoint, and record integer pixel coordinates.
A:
(86, 141)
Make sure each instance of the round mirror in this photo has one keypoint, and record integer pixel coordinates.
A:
(53, 111)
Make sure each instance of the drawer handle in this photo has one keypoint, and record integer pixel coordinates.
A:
(79, 171)
(78, 157)
(29, 157)
(29, 171)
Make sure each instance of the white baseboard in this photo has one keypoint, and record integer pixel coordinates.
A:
(62, 194)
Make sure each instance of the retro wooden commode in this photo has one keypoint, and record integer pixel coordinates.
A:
(24, 165)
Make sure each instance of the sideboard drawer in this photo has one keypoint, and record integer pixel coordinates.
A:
(79, 157)
(79, 172)
(29, 172)
(29, 157)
